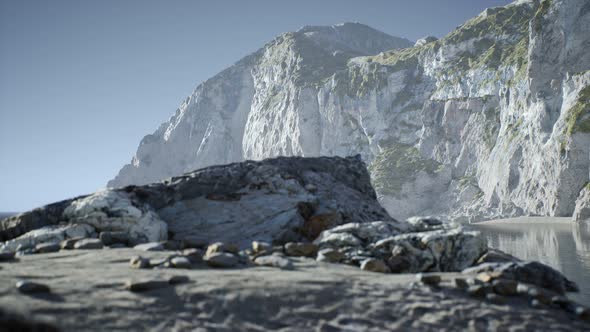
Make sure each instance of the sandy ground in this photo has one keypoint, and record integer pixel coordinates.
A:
(88, 294)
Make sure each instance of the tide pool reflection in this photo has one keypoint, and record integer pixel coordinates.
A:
(557, 242)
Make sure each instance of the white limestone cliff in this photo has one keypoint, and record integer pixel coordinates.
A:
(491, 120)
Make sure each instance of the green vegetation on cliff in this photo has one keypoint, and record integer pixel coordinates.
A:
(398, 164)
(578, 117)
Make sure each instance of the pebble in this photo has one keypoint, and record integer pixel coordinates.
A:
(30, 287)
(311, 188)
(505, 287)
(560, 301)
(178, 279)
(6, 256)
(375, 265)
(260, 247)
(274, 261)
(428, 279)
(535, 303)
(221, 259)
(330, 256)
(220, 247)
(110, 238)
(582, 313)
(150, 246)
(47, 247)
(138, 262)
(88, 244)
(181, 262)
(299, 249)
(146, 285)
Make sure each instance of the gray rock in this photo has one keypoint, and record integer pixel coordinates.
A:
(537, 274)
(375, 265)
(89, 244)
(30, 287)
(150, 246)
(138, 262)
(181, 262)
(274, 261)
(173, 245)
(6, 256)
(48, 247)
(110, 238)
(145, 285)
(221, 259)
(329, 255)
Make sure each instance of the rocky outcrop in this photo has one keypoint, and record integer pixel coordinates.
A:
(582, 211)
(490, 120)
(275, 200)
(420, 245)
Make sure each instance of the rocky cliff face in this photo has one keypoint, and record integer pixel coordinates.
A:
(491, 120)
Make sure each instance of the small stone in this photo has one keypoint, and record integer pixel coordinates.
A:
(7, 256)
(160, 262)
(220, 247)
(150, 246)
(47, 247)
(138, 262)
(428, 279)
(260, 247)
(29, 287)
(477, 290)
(69, 244)
(505, 287)
(274, 261)
(181, 262)
(142, 286)
(375, 265)
(89, 244)
(194, 242)
(194, 255)
(301, 249)
(330, 256)
(461, 283)
(221, 259)
(495, 298)
(110, 238)
(496, 256)
(180, 279)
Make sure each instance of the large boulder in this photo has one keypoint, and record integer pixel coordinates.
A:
(274, 200)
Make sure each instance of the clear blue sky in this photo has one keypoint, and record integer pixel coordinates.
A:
(81, 82)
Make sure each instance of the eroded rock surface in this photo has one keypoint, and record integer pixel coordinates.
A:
(280, 200)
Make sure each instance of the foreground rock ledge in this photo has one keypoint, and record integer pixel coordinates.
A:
(88, 294)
